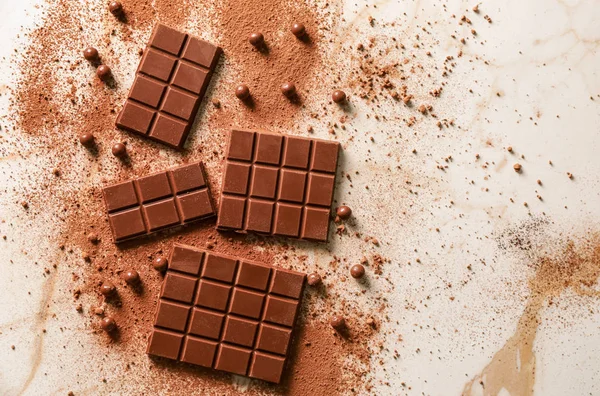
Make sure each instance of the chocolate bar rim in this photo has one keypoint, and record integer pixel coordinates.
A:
(139, 204)
(239, 260)
(276, 200)
(210, 71)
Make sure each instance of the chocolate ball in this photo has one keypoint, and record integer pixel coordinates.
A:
(242, 92)
(338, 322)
(108, 324)
(103, 72)
(132, 277)
(343, 212)
(338, 96)
(90, 53)
(87, 139)
(119, 150)
(298, 30)
(115, 7)
(107, 289)
(314, 279)
(357, 271)
(256, 39)
(288, 89)
(160, 264)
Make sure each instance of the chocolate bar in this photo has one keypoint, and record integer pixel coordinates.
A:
(151, 203)
(171, 80)
(278, 185)
(226, 313)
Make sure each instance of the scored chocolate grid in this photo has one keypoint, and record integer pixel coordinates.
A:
(292, 292)
(279, 168)
(175, 138)
(192, 189)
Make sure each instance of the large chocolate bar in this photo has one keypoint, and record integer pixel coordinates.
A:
(278, 185)
(171, 80)
(226, 313)
(151, 203)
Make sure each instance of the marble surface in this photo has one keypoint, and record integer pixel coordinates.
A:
(534, 76)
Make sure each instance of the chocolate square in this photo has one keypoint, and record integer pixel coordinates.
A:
(249, 335)
(280, 190)
(171, 59)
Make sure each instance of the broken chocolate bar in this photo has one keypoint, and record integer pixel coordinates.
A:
(226, 313)
(171, 80)
(278, 185)
(151, 203)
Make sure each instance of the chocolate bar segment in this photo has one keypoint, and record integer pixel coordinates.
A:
(226, 313)
(278, 185)
(155, 202)
(171, 80)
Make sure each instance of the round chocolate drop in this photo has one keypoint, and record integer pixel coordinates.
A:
(242, 92)
(314, 279)
(298, 30)
(338, 96)
(338, 322)
(357, 271)
(288, 89)
(87, 139)
(344, 212)
(160, 264)
(103, 72)
(257, 39)
(108, 324)
(132, 277)
(90, 53)
(115, 7)
(107, 289)
(119, 150)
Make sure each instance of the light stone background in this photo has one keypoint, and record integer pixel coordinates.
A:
(543, 60)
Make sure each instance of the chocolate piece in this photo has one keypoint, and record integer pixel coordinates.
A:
(338, 96)
(298, 30)
(242, 92)
(90, 54)
(357, 271)
(115, 7)
(108, 324)
(226, 313)
(103, 72)
(158, 201)
(278, 185)
(257, 39)
(338, 322)
(119, 150)
(343, 212)
(160, 264)
(288, 89)
(132, 277)
(314, 279)
(171, 81)
(107, 289)
(87, 140)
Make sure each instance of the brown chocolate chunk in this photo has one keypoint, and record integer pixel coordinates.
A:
(87, 140)
(115, 7)
(278, 185)
(171, 81)
(108, 289)
(314, 279)
(298, 30)
(288, 89)
(242, 92)
(160, 264)
(119, 150)
(256, 39)
(357, 271)
(108, 324)
(338, 322)
(338, 96)
(226, 313)
(151, 203)
(132, 277)
(91, 54)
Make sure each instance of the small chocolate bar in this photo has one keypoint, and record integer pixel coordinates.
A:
(226, 313)
(171, 80)
(151, 203)
(278, 185)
